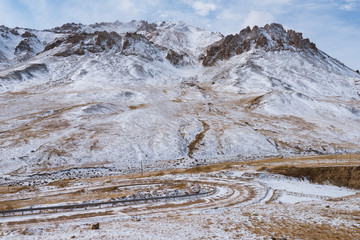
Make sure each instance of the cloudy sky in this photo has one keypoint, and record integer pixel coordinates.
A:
(334, 25)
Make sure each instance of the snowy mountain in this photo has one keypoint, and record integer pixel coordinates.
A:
(166, 94)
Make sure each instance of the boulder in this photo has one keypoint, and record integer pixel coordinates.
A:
(95, 226)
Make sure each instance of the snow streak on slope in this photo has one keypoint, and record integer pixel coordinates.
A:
(135, 94)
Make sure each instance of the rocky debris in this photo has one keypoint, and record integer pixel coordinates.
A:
(271, 37)
(95, 226)
(357, 71)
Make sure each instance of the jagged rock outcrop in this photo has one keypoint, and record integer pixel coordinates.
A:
(23, 46)
(26, 46)
(68, 28)
(28, 34)
(4, 31)
(146, 27)
(162, 41)
(80, 43)
(176, 58)
(102, 41)
(271, 37)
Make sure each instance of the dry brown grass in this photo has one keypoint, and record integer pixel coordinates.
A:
(104, 194)
(262, 164)
(60, 219)
(61, 183)
(292, 229)
(204, 168)
(344, 176)
(170, 205)
(16, 189)
(55, 152)
(254, 102)
(198, 138)
(312, 160)
(20, 93)
(133, 107)
(95, 145)
(39, 125)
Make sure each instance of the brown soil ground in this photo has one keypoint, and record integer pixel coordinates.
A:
(343, 176)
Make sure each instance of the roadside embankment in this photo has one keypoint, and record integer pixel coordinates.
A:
(343, 176)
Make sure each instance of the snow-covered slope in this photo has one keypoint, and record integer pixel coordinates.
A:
(167, 94)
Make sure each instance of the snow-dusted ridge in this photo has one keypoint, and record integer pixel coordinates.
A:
(130, 94)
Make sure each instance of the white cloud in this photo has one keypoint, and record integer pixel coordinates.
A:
(258, 18)
(349, 5)
(274, 2)
(203, 9)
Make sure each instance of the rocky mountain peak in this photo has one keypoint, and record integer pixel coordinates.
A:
(146, 27)
(271, 37)
(68, 28)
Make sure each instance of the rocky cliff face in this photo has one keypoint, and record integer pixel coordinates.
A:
(81, 43)
(271, 37)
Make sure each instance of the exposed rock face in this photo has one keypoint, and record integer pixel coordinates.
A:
(68, 28)
(271, 37)
(102, 41)
(24, 45)
(80, 43)
(159, 41)
(176, 58)
(25, 48)
(4, 31)
(146, 27)
(27, 34)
